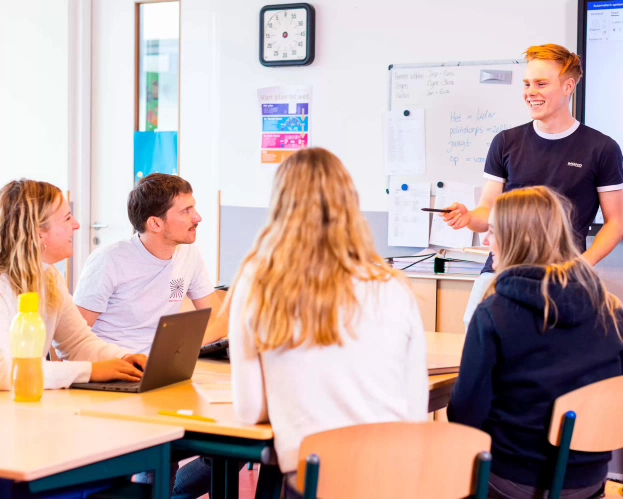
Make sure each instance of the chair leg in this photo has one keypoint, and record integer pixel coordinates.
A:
(483, 472)
(563, 455)
(269, 482)
(232, 479)
(312, 473)
(219, 480)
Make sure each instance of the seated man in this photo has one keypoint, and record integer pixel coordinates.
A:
(126, 287)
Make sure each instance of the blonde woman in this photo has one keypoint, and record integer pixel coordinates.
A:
(547, 327)
(323, 333)
(36, 231)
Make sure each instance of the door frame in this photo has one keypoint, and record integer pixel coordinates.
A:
(79, 89)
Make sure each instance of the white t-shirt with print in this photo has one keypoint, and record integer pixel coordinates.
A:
(131, 289)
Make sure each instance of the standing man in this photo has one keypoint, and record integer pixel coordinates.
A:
(126, 287)
(554, 150)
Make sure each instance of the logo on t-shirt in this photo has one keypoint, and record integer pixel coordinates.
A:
(177, 289)
(577, 165)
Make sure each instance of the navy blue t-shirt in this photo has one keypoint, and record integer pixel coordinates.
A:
(578, 164)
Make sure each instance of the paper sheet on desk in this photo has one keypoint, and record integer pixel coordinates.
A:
(215, 396)
(404, 142)
(441, 234)
(407, 224)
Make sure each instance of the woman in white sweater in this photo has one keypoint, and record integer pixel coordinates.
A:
(323, 333)
(36, 231)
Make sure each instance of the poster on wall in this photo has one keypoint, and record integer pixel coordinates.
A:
(285, 121)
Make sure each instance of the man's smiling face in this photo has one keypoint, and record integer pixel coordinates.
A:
(545, 92)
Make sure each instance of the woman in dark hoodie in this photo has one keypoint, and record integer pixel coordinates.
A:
(547, 326)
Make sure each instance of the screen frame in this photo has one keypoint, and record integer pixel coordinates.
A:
(580, 92)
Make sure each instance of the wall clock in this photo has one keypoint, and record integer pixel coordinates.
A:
(287, 34)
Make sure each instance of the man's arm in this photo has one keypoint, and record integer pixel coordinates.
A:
(218, 325)
(612, 232)
(96, 285)
(476, 220)
(90, 317)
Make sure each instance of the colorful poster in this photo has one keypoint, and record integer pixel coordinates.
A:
(283, 124)
(284, 141)
(285, 121)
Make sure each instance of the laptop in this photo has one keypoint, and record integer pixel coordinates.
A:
(173, 355)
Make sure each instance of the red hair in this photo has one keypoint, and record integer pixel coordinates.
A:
(570, 62)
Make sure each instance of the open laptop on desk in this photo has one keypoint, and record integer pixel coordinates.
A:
(173, 354)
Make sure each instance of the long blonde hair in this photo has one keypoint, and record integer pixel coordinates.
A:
(25, 209)
(532, 227)
(304, 262)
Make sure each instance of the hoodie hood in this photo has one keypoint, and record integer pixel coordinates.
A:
(522, 285)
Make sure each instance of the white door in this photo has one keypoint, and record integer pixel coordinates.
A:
(113, 100)
(112, 119)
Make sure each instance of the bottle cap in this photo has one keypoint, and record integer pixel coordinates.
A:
(28, 303)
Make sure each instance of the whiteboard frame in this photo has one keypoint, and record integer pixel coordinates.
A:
(443, 65)
(439, 65)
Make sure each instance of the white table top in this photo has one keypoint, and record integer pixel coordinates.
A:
(39, 442)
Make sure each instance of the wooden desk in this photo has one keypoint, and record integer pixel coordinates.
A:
(67, 400)
(227, 440)
(442, 299)
(44, 450)
(444, 350)
(187, 396)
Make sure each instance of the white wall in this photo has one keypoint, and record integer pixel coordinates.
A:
(356, 40)
(33, 90)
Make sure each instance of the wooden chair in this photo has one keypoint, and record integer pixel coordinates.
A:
(397, 460)
(589, 419)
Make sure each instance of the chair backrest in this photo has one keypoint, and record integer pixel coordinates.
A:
(599, 416)
(397, 460)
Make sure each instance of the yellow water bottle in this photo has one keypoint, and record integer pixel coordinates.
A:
(27, 345)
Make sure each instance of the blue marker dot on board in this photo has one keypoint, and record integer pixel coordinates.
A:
(404, 187)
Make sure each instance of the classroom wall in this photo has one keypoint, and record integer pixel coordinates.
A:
(33, 90)
(356, 40)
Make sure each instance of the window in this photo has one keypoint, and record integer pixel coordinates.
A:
(157, 93)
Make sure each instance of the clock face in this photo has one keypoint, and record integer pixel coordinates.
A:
(286, 35)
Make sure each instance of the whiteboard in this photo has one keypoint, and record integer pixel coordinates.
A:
(462, 114)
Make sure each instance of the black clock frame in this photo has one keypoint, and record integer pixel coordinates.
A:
(311, 34)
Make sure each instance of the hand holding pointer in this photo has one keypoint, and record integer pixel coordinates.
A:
(458, 216)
